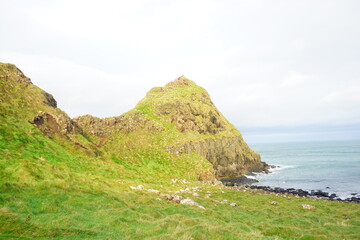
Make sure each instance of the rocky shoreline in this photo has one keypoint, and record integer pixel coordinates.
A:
(243, 181)
(302, 193)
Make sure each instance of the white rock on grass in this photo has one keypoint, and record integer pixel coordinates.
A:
(140, 187)
(176, 198)
(183, 181)
(224, 202)
(274, 203)
(233, 204)
(306, 206)
(153, 190)
(166, 196)
(188, 201)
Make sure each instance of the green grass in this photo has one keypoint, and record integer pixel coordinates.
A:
(123, 214)
(52, 189)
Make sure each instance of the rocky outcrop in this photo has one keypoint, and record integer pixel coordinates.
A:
(188, 118)
(50, 124)
(50, 100)
(60, 125)
(9, 72)
(104, 127)
(229, 156)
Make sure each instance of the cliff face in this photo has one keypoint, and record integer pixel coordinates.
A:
(230, 156)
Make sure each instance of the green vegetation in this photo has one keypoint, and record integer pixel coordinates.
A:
(51, 188)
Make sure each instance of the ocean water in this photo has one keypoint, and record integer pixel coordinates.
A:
(333, 167)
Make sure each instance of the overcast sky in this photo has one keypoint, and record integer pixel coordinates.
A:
(264, 63)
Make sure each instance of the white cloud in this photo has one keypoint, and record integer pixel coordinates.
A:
(264, 63)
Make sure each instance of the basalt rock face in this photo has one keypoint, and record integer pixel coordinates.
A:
(230, 156)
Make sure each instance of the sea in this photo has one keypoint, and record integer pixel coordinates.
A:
(332, 167)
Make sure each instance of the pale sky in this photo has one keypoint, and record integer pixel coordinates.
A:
(264, 63)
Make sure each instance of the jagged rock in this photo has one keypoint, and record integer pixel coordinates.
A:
(12, 73)
(51, 124)
(49, 100)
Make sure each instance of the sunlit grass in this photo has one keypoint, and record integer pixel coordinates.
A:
(52, 189)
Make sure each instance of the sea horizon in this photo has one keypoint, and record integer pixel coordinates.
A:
(330, 166)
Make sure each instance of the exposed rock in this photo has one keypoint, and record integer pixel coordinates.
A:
(229, 156)
(189, 201)
(139, 187)
(238, 181)
(166, 196)
(233, 204)
(104, 127)
(12, 73)
(183, 181)
(153, 191)
(224, 201)
(274, 203)
(309, 207)
(49, 100)
(176, 198)
(50, 124)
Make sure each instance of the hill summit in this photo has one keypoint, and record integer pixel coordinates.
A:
(182, 119)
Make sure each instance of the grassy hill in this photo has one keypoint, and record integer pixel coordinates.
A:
(63, 178)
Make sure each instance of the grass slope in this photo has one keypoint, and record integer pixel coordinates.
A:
(50, 189)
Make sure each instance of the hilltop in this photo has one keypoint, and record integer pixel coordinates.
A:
(179, 118)
(150, 173)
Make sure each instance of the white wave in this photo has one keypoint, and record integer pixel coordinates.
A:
(282, 167)
(250, 176)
